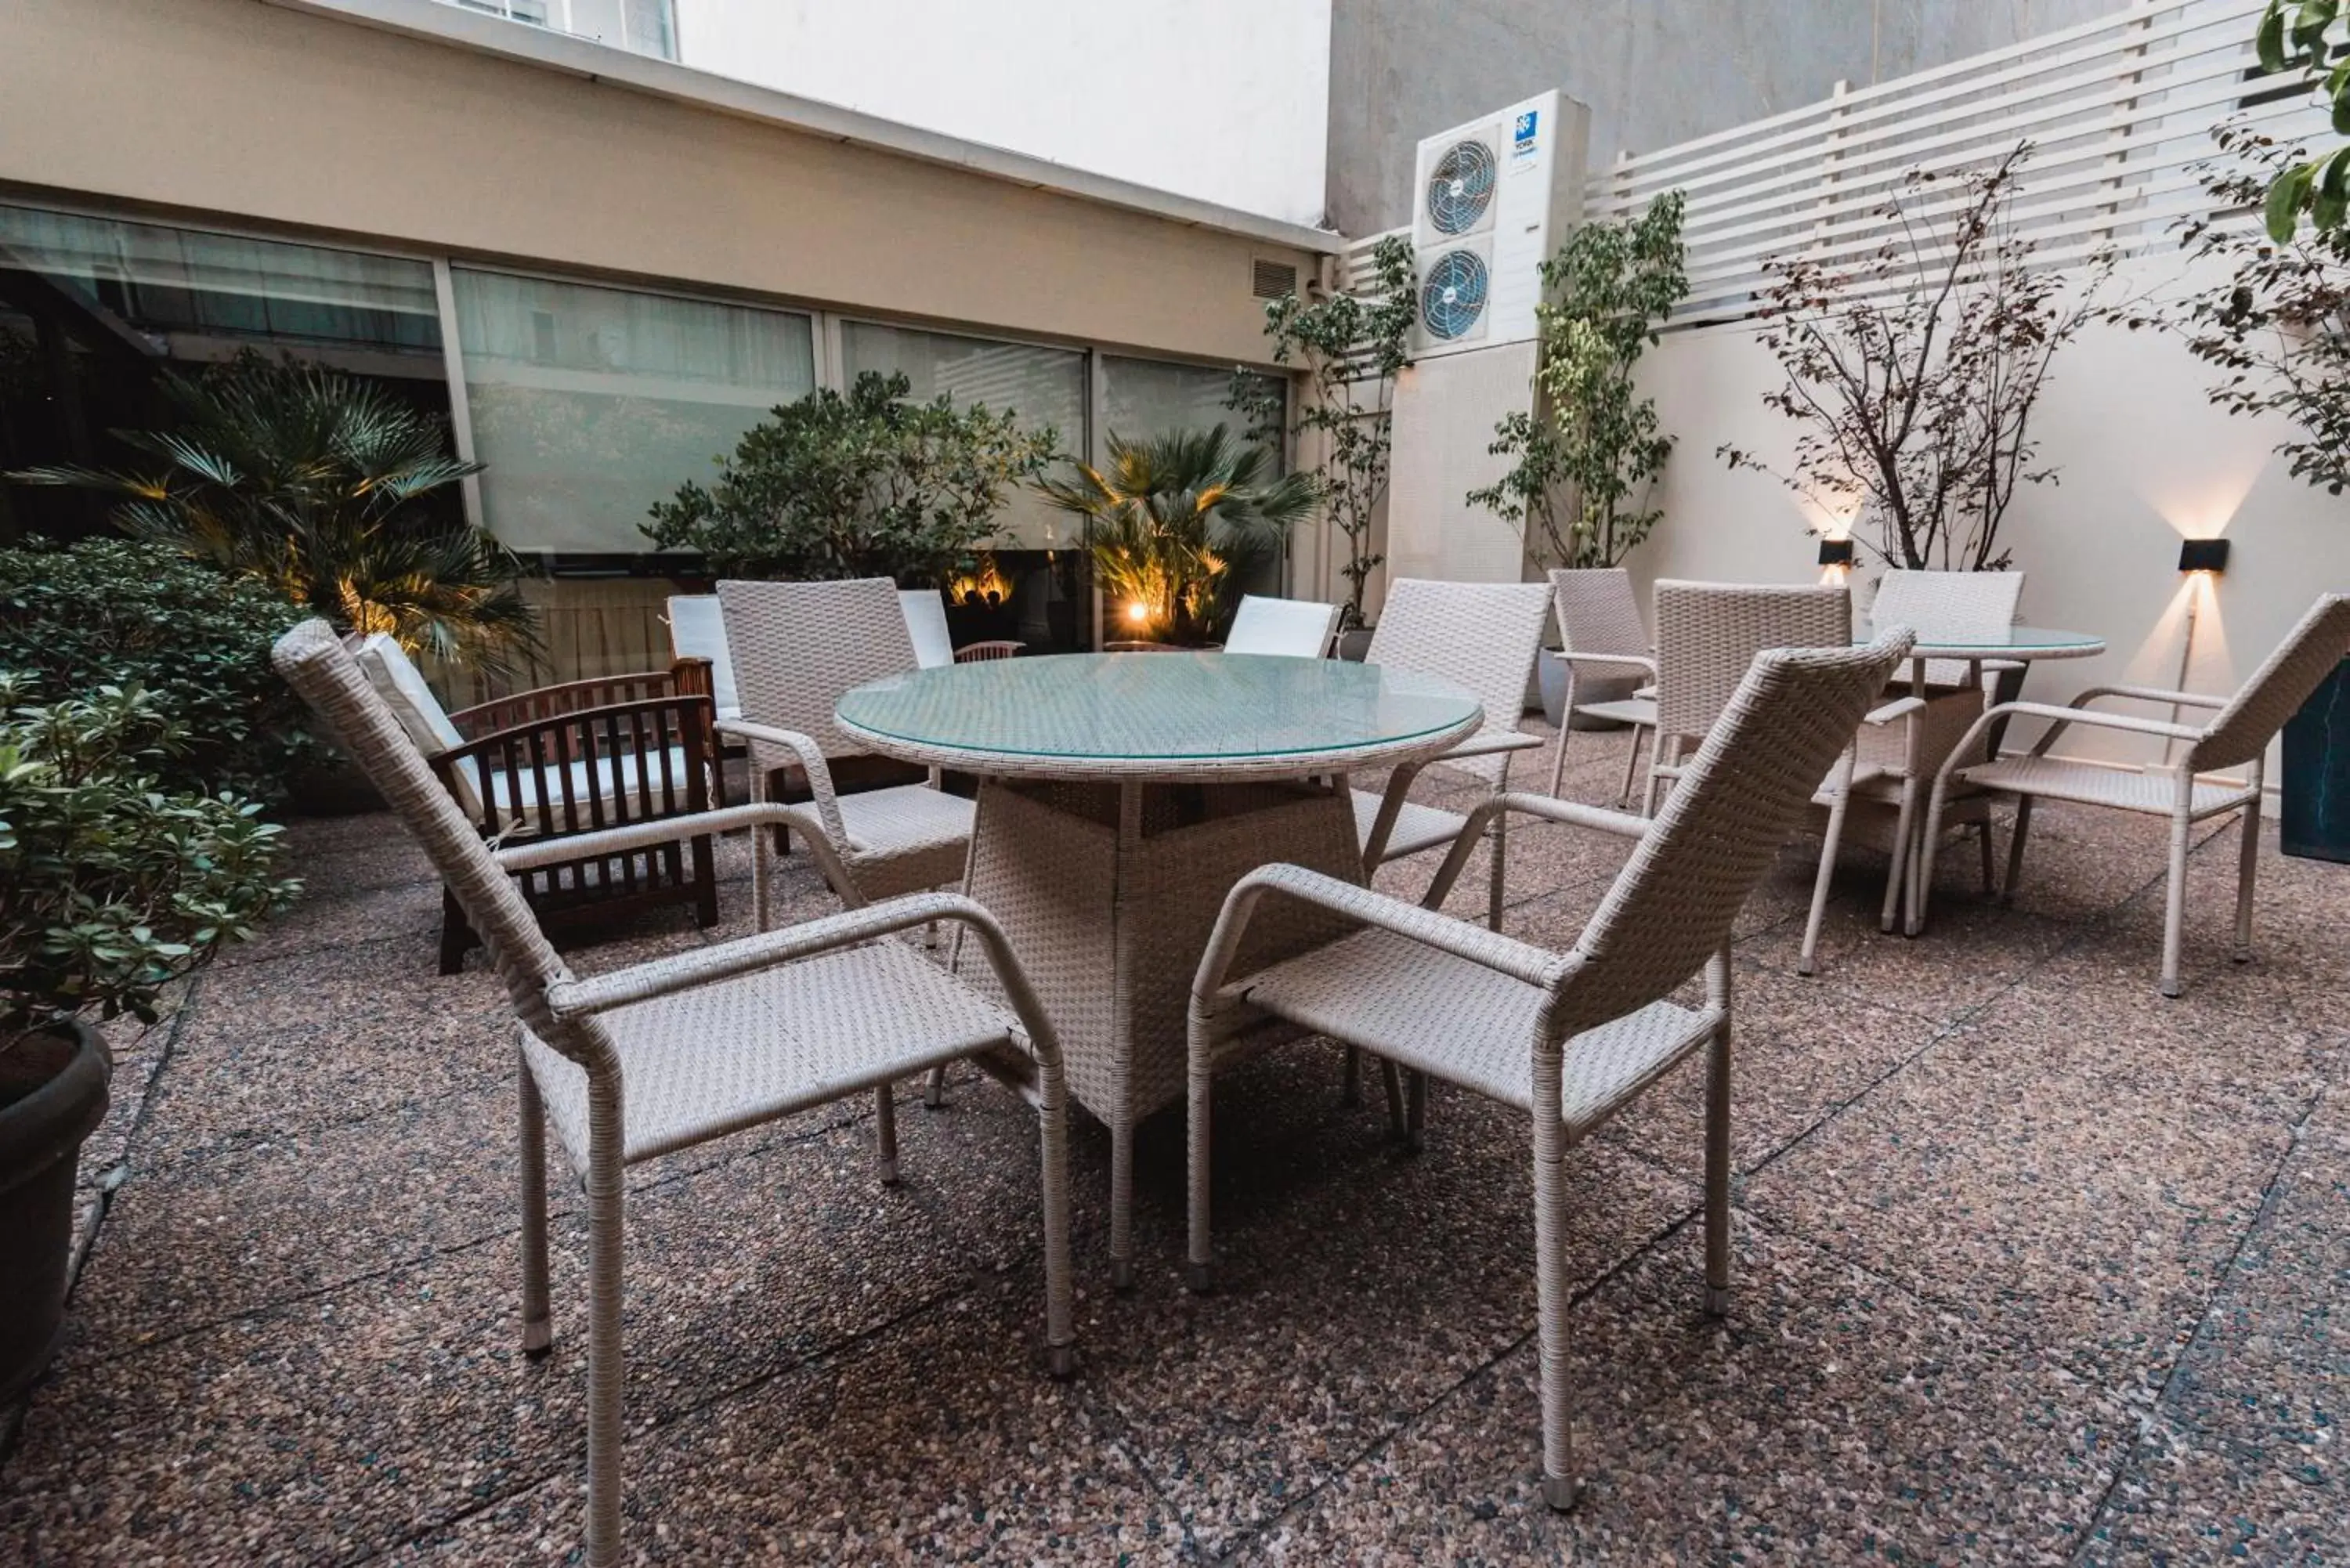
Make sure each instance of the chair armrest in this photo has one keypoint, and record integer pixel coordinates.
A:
(2062, 718)
(1625, 660)
(1487, 744)
(544, 852)
(1575, 814)
(574, 999)
(2151, 694)
(1899, 708)
(1490, 949)
(810, 757)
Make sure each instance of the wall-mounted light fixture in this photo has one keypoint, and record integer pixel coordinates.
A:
(1835, 552)
(2203, 556)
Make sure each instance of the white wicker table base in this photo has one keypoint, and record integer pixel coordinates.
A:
(1109, 892)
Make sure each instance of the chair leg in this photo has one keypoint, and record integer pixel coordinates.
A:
(1717, 1172)
(606, 1373)
(1053, 1134)
(2248, 856)
(705, 883)
(1558, 758)
(1808, 962)
(1350, 1078)
(1631, 769)
(1200, 1259)
(1921, 876)
(2174, 899)
(2021, 831)
(1906, 858)
(1121, 1202)
(537, 1324)
(1499, 835)
(935, 1087)
(1398, 1119)
(1559, 1485)
(456, 935)
(1415, 1115)
(1656, 760)
(1989, 867)
(885, 1132)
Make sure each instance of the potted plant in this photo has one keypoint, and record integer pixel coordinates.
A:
(1913, 371)
(1586, 458)
(110, 888)
(1352, 347)
(861, 483)
(2278, 329)
(1169, 519)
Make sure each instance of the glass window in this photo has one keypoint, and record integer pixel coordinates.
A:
(1044, 387)
(1146, 398)
(589, 404)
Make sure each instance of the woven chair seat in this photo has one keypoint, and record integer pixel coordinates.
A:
(703, 1062)
(1634, 710)
(2154, 793)
(907, 820)
(1417, 827)
(1469, 1025)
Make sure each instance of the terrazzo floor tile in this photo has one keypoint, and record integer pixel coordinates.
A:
(1965, 957)
(1830, 1417)
(2049, 1187)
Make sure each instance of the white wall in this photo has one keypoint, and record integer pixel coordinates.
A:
(1225, 101)
(2145, 460)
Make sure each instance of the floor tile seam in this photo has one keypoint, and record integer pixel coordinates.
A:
(1487, 1368)
(2164, 1407)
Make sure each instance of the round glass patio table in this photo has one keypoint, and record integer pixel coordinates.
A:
(1121, 796)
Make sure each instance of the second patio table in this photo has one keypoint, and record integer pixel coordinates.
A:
(1121, 796)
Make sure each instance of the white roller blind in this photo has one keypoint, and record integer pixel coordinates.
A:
(589, 404)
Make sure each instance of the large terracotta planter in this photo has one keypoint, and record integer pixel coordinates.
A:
(52, 1093)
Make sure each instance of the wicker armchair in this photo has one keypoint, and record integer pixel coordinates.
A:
(798, 648)
(1570, 1038)
(1481, 636)
(2238, 735)
(564, 762)
(665, 1054)
(1603, 643)
(1907, 743)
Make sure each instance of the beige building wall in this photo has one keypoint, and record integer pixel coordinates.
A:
(252, 110)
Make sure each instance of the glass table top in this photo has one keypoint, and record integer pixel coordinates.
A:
(2016, 641)
(1132, 712)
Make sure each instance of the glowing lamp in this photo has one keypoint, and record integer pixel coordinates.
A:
(1137, 612)
(1835, 552)
(2203, 556)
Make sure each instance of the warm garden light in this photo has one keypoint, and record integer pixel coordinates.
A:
(1835, 552)
(2203, 556)
(1137, 612)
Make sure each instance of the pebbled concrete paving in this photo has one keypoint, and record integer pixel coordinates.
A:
(2033, 1266)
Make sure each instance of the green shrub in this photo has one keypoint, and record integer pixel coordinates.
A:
(110, 887)
(109, 612)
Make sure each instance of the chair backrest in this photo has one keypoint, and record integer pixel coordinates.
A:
(395, 678)
(1481, 636)
(926, 624)
(799, 647)
(2242, 730)
(1296, 629)
(1947, 607)
(1674, 903)
(315, 662)
(1708, 633)
(1597, 611)
(697, 629)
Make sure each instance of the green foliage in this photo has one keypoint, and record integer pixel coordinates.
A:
(323, 486)
(2278, 329)
(868, 485)
(1351, 348)
(110, 887)
(115, 612)
(1605, 293)
(2296, 35)
(1169, 519)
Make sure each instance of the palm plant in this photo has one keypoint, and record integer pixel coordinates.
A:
(1169, 518)
(325, 487)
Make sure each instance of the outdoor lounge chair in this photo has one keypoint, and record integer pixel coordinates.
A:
(2236, 736)
(1293, 629)
(1571, 1038)
(564, 762)
(1479, 635)
(1606, 650)
(664, 1054)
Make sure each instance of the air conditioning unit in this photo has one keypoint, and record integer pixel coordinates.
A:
(1492, 199)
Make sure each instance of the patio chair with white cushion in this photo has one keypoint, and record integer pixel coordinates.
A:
(561, 762)
(697, 631)
(926, 625)
(1570, 1038)
(1295, 628)
(1904, 743)
(1602, 642)
(798, 648)
(664, 1054)
(1480, 635)
(2238, 735)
